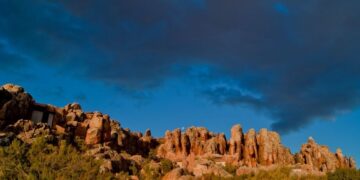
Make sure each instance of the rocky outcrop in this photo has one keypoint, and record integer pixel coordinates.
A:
(112, 161)
(99, 129)
(196, 140)
(236, 144)
(195, 151)
(320, 158)
(15, 104)
(270, 149)
(27, 131)
(249, 149)
(70, 121)
(131, 142)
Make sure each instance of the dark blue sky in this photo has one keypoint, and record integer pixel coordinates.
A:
(291, 66)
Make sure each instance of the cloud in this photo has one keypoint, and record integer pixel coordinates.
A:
(301, 57)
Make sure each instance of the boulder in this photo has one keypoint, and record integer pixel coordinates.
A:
(15, 104)
(99, 129)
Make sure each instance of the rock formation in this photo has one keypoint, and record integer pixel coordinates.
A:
(14, 104)
(196, 140)
(320, 158)
(236, 144)
(249, 149)
(27, 131)
(271, 151)
(196, 150)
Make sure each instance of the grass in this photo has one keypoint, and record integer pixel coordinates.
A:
(275, 174)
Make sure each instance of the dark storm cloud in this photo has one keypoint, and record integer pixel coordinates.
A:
(40, 30)
(301, 57)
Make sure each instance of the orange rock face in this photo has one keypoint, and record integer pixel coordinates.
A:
(236, 144)
(99, 129)
(271, 151)
(94, 127)
(196, 140)
(321, 159)
(249, 149)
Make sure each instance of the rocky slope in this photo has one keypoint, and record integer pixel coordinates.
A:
(192, 153)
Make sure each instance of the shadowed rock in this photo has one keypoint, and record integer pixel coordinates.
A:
(15, 104)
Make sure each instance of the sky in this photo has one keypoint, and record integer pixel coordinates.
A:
(289, 66)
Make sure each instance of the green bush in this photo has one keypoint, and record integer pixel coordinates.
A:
(46, 161)
(166, 166)
(344, 174)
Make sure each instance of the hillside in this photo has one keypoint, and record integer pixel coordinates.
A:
(39, 140)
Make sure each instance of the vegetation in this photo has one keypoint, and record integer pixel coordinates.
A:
(344, 174)
(276, 174)
(230, 168)
(48, 160)
(43, 160)
(166, 166)
(153, 170)
(150, 172)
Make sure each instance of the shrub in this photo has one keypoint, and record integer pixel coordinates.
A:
(344, 174)
(46, 161)
(150, 173)
(166, 166)
(13, 161)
